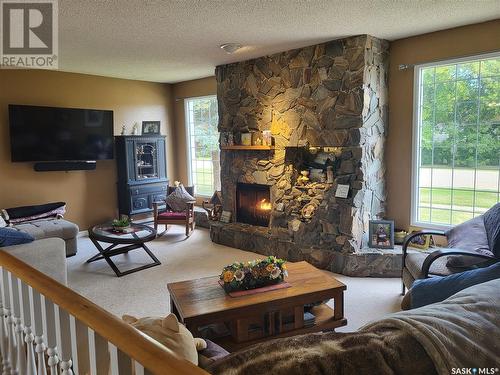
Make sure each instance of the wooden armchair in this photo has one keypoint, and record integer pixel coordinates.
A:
(168, 216)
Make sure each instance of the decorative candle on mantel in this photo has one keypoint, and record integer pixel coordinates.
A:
(246, 139)
(329, 175)
(266, 138)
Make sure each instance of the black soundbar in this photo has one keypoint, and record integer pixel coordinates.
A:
(47, 166)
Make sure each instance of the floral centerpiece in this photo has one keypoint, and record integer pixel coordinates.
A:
(253, 274)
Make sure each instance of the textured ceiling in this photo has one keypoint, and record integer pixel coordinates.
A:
(178, 40)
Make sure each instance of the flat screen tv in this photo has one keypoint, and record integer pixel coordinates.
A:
(60, 134)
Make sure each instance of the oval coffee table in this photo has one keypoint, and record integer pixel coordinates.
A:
(134, 238)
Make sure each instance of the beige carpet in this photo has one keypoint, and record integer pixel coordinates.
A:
(144, 293)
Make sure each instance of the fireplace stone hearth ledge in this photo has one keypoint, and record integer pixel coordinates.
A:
(332, 96)
(365, 262)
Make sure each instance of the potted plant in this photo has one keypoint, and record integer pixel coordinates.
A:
(122, 224)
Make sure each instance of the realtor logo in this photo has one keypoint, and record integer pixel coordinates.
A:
(29, 34)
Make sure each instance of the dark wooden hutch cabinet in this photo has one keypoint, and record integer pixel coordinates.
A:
(142, 172)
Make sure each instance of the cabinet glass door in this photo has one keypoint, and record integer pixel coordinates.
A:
(146, 163)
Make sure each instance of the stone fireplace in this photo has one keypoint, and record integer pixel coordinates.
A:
(253, 204)
(326, 108)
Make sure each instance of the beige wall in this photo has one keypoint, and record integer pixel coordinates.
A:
(90, 195)
(182, 90)
(442, 45)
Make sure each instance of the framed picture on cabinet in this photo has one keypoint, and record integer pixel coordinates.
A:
(151, 128)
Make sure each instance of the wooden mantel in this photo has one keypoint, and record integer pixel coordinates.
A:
(249, 148)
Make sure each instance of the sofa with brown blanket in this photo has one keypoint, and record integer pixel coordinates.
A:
(461, 332)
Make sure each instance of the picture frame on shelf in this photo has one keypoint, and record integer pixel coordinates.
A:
(421, 242)
(151, 128)
(342, 191)
(381, 234)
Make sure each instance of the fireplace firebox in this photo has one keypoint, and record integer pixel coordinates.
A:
(253, 204)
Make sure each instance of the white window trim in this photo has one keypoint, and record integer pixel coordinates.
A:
(416, 132)
(188, 139)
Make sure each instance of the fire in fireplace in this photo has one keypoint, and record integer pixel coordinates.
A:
(253, 204)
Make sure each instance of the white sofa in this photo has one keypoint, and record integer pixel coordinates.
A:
(46, 255)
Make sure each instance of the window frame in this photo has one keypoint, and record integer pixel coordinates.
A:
(187, 128)
(417, 80)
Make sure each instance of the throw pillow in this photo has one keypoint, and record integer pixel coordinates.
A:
(11, 236)
(470, 235)
(178, 199)
(3, 223)
(210, 354)
(437, 289)
(492, 226)
(5, 216)
(169, 332)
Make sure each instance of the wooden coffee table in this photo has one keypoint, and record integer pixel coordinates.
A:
(262, 316)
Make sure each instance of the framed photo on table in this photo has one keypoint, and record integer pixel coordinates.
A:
(420, 242)
(381, 234)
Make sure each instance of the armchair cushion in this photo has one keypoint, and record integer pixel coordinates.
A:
(415, 261)
(178, 199)
(471, 236)
(492, 227)
(172, 215)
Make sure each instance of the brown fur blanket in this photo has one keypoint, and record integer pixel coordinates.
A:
(387, 351)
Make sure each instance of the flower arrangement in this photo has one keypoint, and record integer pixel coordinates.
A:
(253, 274)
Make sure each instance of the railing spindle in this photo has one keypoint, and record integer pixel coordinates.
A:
(3, 336)
(35, 300)
(125, 364)
(11, 323)
(11, 348)
(63, 337)
(40, 349)
(4, 328)
(29, 338)
(79, 346)
(139, 369)
(113, 354)
(48, 322)
(27, 354)
(98, 353)
(53, 361)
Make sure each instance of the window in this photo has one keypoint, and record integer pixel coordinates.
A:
(457, 131)
(203, 144)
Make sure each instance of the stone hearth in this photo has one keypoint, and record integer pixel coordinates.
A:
(326, 108)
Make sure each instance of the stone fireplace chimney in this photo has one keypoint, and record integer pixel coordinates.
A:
(326, 108)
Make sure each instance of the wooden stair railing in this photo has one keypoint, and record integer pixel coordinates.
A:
(46, 328)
